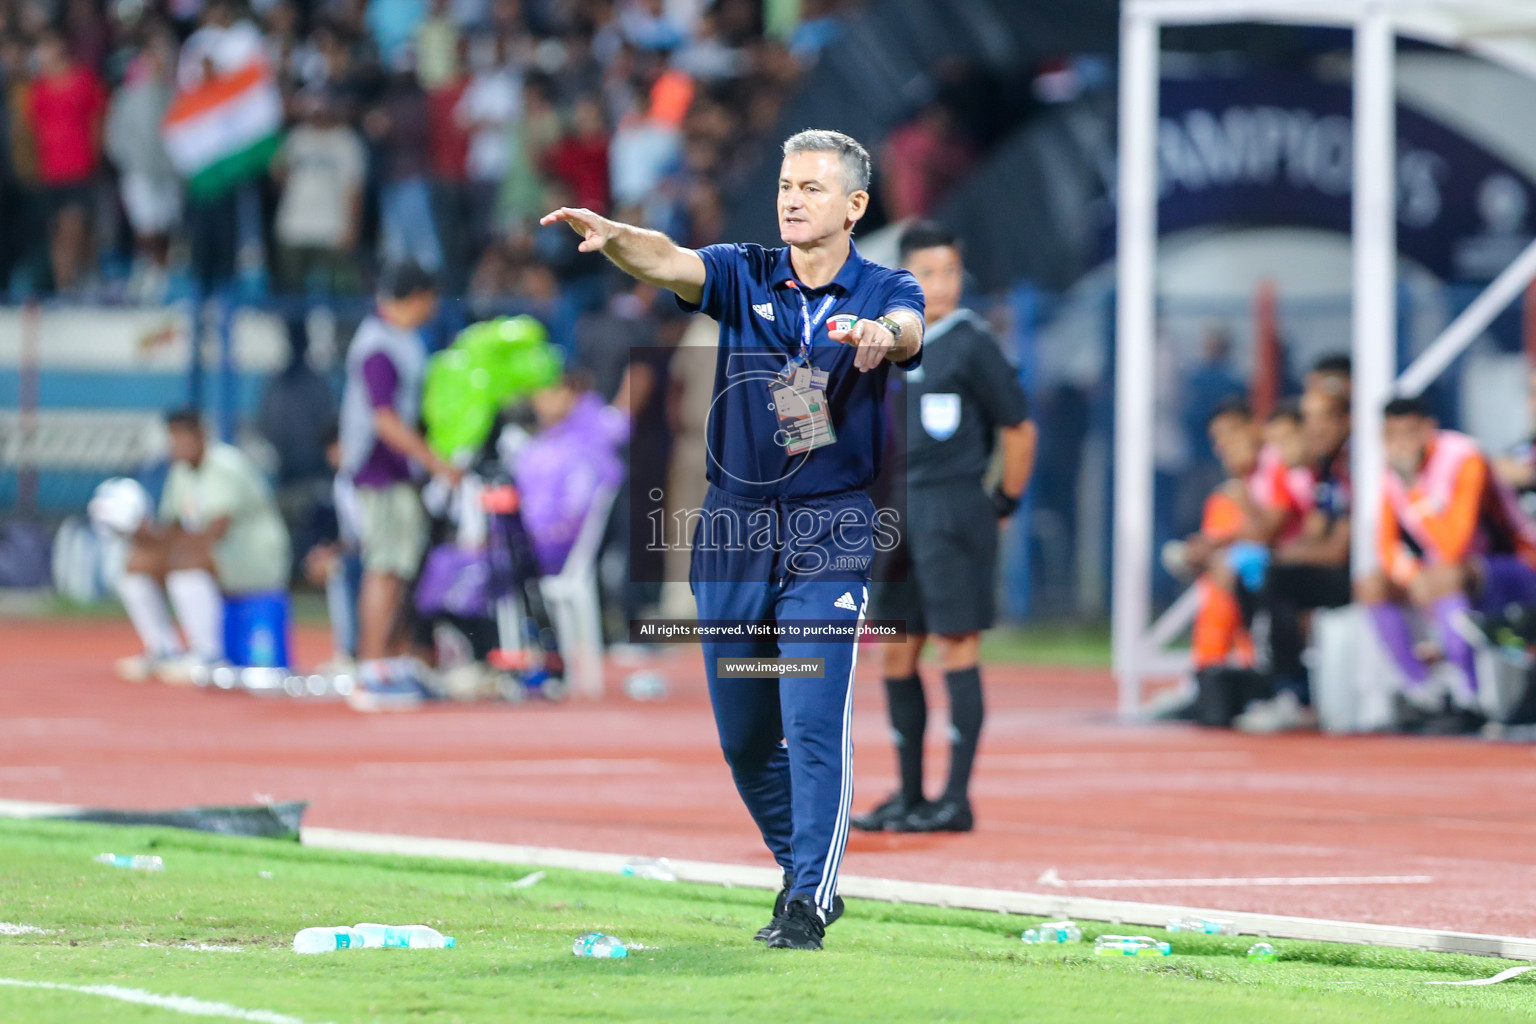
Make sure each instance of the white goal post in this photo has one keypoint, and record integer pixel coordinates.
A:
(1500, 30)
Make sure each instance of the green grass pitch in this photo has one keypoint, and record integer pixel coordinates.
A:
(884, 962)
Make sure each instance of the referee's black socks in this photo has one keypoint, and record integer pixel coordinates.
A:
(965, 714)
(909, 717)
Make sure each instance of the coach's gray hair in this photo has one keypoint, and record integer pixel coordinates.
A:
(854, 157)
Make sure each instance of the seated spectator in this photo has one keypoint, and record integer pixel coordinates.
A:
(1452, 537)
(574, 453)
(218, 536)
(1310, 569)
(322, 167)
(1219, 638)
(1331, 375)
(1286, 476)
(65, 107)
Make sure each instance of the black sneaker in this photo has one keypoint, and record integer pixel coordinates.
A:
(1448, 719)
(940, 816)
(800, 926)
(766, 931)
(884, 816)
(1454, 721)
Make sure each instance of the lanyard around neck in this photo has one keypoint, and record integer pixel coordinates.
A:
(808, 323)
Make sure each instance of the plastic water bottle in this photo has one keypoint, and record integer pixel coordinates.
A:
(140, 862)
(1202, 925)
(1053, 931)
(327, 940)
(1130, 945)
(645, 685)
(657, 869)
(1261, 953)
(409, 936)
(599, 946)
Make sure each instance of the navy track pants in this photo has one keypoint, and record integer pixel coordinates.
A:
(788, 741)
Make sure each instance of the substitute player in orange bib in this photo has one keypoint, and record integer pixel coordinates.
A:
(1452, 538)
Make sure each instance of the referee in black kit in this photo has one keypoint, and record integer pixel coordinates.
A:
(962, 399)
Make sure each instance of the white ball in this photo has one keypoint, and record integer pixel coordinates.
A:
(120, 505)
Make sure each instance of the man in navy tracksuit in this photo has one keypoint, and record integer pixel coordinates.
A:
(787, 534)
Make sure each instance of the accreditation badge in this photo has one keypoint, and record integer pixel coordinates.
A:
(805, 421)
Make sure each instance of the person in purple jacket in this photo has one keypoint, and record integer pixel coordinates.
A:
(561, 470)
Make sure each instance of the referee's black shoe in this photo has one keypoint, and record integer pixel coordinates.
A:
(800, 926)
(886, 815)
(946, 815)
(766, 931)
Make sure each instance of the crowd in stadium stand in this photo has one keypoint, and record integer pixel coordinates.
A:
(434, 129)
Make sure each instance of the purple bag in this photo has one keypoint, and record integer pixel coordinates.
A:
(454, 581)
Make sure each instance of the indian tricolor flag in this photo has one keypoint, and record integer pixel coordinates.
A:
(225, 130)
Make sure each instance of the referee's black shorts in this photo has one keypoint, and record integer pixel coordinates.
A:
(942, 576)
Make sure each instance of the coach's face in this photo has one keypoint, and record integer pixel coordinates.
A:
(814, 201)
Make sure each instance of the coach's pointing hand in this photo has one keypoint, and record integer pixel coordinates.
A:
(596, 230)
(873, 339)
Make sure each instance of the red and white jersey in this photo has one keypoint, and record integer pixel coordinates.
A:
(1277, 487)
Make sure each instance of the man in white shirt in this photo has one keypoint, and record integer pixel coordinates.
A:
(218, 533)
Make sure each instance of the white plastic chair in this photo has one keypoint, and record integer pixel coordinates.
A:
(571, 596)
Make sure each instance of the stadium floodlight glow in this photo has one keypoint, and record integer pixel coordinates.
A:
(1503, 31)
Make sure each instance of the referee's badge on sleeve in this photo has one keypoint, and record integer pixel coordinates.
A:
(940, 414)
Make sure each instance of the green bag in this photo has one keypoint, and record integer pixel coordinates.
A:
(490, 365)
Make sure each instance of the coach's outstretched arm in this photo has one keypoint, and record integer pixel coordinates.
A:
(648, 255)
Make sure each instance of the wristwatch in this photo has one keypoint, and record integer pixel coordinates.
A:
(890, 325)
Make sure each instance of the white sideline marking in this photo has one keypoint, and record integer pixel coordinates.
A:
(1051, 878)
(6, 928)
(1505, 975)
(176, 1004)
(575, 766)
(1051, 905)
(30, 809)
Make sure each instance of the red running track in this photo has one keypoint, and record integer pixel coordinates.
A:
(1060, 784)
